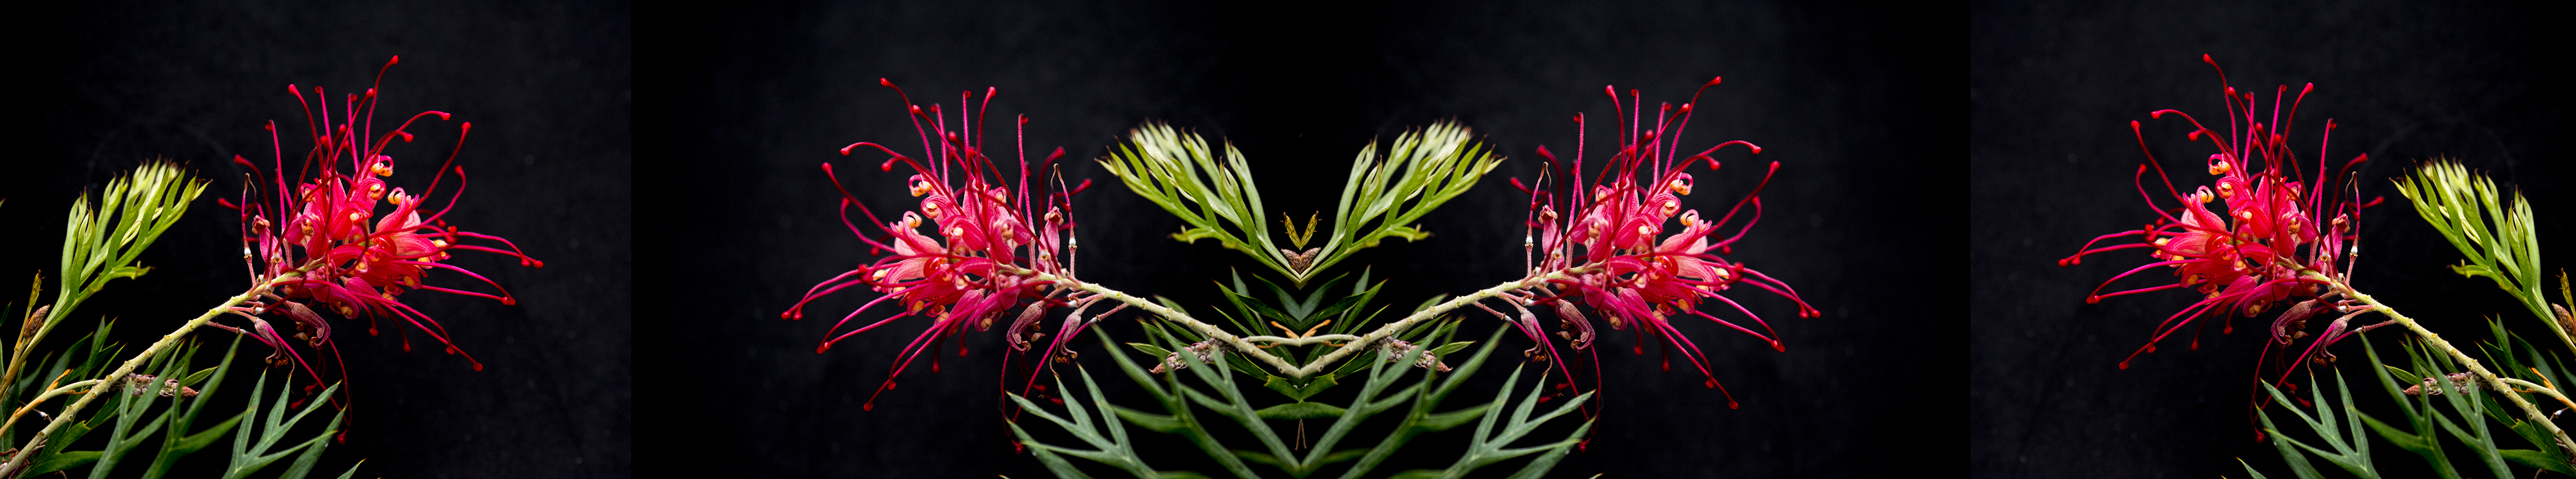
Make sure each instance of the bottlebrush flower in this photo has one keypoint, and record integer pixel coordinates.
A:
(2277, 228)
(1624, 267)
(351, 257)
(989, 239)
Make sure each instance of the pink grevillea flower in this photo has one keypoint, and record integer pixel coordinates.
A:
(2282, 225)
(989, 240)
(1625, 267)
(354, 258)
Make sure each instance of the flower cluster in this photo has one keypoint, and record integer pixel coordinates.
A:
(325, 242)
(1621, 263)
(989, 240)
(2283, 228)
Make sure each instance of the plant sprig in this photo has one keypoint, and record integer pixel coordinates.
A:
(2499, 242)
(1384, 195)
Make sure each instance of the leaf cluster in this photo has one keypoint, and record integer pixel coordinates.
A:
(1296, 388)
(1379, 394)
(2499, 242)
(159, 414)
(1384, 195)
(1298, 314)
(2439, 416)
(100, 243)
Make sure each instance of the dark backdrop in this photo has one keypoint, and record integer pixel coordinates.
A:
(763, 92)
(102, 87)
(2052, 89)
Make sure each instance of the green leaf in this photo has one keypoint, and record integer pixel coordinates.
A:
(249, 455)
(1445, 421)
(1298, 392)
(179, 442)
(1301, 410)
(2249, 469)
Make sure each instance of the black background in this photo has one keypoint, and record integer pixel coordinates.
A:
(761, 93)
(2052, 89)
(547, 86)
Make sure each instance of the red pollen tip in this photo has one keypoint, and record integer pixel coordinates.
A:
(1686, 108)
(2095, 299)
(1776, 346)
(1712, 81)
(885, 83)
(2124, 365)
(478, 366)
(2204, 58)
(822, 348)
(396, 59)
(869, 406)
(507, 301)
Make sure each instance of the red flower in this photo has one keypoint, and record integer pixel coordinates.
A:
(1622, 265)
(350, 258)
(971, 270)
(2278, 229)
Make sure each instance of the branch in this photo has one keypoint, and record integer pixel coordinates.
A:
(2489, 378)
(20, 460)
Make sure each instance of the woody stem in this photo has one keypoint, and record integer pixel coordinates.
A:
(2436, 341)
(69, 412)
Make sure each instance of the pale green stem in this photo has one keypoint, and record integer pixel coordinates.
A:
(65, 417)
(1303, 340)
(1355, 344)
(2527, 386)
(40, 399)
(2475, 368)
